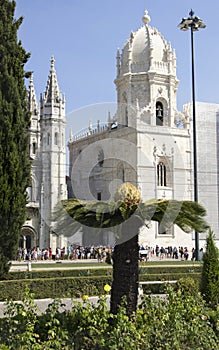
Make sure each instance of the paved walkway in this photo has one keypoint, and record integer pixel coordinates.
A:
(68, 303)
(55, 265)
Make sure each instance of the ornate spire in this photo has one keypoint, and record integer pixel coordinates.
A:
(52, 93)
(33, 106)
(118, 62)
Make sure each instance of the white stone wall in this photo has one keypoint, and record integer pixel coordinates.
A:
(207, 117)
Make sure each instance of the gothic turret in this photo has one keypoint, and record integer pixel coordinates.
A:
(52, 93)
(53, 155)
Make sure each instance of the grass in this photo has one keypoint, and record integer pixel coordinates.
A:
(174, 262)
(70, 264)
(37, 265)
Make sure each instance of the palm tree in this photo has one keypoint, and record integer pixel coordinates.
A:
(125, 216)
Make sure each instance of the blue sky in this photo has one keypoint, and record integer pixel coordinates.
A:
(84, 35)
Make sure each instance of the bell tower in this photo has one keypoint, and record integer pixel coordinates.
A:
(53, 158)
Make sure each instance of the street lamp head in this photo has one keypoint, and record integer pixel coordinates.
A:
(193, 23)
(199, 22)
(182, 25)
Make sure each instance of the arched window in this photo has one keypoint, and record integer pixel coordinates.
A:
(159, 113)
(28, 241)
(125, 108)
(34, 147)
(161, 174)
(99, 196)
(56, 138)
(48, 138)
(126, 116)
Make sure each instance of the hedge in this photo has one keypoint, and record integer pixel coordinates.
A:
(157, 288)
(17, 275)
(167, 269)
(66, 287)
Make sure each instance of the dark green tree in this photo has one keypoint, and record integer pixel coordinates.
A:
(14, 122)
(210, 272)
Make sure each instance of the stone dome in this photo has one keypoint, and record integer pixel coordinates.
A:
(145, 49)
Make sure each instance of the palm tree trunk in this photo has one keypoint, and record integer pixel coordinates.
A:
(125, 268)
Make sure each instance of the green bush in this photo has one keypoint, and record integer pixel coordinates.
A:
(181, 320)
(160, 270)
(210, 273)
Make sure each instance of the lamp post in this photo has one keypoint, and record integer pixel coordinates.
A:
(194, 24)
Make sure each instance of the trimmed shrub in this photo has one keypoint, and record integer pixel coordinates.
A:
(15, 275)
(210, 273)
(53, 287)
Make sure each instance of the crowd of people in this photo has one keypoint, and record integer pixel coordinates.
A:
(181, 253)
(72, 252)
(77, 252)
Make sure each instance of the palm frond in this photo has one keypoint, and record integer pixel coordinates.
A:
(188, 215)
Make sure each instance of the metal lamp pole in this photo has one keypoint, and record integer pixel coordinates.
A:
(194, 24)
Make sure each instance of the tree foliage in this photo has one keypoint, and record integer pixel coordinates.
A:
(188, 215)
(14, 122)
(210, 272)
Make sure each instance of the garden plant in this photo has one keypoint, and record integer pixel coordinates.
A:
(180, 321)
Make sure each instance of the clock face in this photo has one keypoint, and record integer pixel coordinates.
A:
(100, 158)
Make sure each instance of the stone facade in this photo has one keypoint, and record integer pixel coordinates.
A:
(148, 142)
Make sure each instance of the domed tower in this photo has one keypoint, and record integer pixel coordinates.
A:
(146, 77)
(146, 86)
